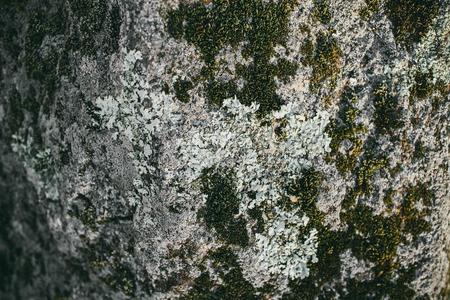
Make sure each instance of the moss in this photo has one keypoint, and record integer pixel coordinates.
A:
(422, 87)
(388, 201)
(344, 129)
(387, 115)
(411, 18)
(306, 189)
(15, 112)
(222, 206)
(43, 66)
(371, 7)
(376, 238)
(414, 220)
(232, 284)
(326, 60)
(97, 28)
(105, 259)
(182, 88)
(420, 150)
(366, 171)
(113, 30)
(261, 25)
(322, 11)
(217, 91)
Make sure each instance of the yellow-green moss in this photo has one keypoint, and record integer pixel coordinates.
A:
(344, 129)
(322, 11)
(370, 8)
(325, 59)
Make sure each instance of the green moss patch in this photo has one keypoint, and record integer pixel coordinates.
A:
(325, 59)
(182, 88)
(257, 24)
(222, 207)
(322, 11)
(411, 18)
(233, 284)
(344, 129)
(387, 116)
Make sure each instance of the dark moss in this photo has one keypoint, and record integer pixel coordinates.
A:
(422, 87)
(222, 206)
(121, 278)
(411, 18)
(182, 88)
(387, 115)
(233, 285)
(217, 91)
(39, 65)
(84, 210)
(375, 237)
(366, 170)
(420, 150)
(388, 201)
(322, 11)
(344, 129)
(256, 214)
(306, 189)
(262, 25)
(326, 60)
(15, 112)
(414, 220)
(113, 30)
(372, 7)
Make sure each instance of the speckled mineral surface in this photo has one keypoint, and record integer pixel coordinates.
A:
(225, 149)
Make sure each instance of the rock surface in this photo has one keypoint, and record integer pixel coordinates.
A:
(215, 149)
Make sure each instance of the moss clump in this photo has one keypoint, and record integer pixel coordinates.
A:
(233, 284)
(344, 129)
(39, 65)
(372, 7)
(16, 115)
(222, 206)
(306, 189)
(387, 115)
(325, 60)
(322, 11)
(109, 262)
(85, 211)
(366, 170)
(182, 88)
(261, 25)
(217, 91)
(376, 238)
(411, 18)
(422, 87)
(414, 222)
(420, 150)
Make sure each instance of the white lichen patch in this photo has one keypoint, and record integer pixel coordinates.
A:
(231, 138)
(285, 250)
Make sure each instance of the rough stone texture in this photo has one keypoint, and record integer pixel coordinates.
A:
(159, 149)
